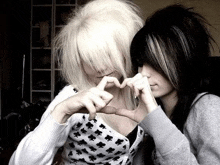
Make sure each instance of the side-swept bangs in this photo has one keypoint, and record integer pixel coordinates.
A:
(98, 48)
(158, 51)
(176, 42)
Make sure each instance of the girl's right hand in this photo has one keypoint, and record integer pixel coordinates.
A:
(147, 103)
(87, 101)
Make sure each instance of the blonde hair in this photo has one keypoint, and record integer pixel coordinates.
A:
(98, 34)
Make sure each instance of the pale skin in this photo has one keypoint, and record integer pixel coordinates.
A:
(91, 101)
(100, 101)
(148, 84)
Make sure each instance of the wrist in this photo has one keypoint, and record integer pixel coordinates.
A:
(152, 107)
(59, 113)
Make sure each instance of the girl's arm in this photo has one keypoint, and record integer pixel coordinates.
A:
(200, 142)
(172, 146)
(41, 145)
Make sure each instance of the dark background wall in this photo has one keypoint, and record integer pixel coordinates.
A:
(14, 43)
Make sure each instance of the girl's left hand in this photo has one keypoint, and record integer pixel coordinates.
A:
(147, 103)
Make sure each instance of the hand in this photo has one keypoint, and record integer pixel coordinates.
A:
(147, 103)
(89, 101)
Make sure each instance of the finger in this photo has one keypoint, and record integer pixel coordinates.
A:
(126, 113)
(136, 91)
(107, 80)
(124, 83)
(108, 110)
(120, 112)
(129, 81)
(145, 85)
(138, 75)
(138, 81)
(105, 96)
(98, 102)
(140, 84)
(92, 110)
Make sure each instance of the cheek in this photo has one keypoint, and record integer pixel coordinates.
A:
(162, 88)
(167, 87)
(91, 73)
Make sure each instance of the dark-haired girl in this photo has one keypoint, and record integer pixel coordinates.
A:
(179, 114)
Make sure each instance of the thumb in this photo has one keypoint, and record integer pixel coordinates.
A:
(121, 112)
(127, 113)
(108, 110)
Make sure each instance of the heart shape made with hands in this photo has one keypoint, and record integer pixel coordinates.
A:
(137, 114)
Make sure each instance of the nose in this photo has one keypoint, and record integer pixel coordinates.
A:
(144, 71)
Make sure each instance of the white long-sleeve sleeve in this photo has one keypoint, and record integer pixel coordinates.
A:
(40, 146)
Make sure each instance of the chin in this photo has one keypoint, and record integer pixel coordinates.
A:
(156, 95)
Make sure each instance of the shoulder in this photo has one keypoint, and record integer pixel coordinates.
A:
(202, 127)
(69, 89)
(206, 107)
(65, 93)
(208, 101)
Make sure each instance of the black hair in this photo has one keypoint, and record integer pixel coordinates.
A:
(176, 43)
